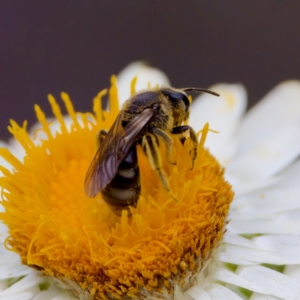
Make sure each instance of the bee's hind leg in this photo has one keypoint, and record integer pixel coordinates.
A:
(168, 141)
(181, 129)
(151, 149)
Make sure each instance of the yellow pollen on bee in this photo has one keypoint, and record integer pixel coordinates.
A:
(56, 228)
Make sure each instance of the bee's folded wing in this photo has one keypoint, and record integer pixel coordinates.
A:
(113, 150)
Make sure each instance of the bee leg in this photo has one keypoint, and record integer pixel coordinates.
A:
(101, 136)
(181, 129)
(151, 149)
(168, 141)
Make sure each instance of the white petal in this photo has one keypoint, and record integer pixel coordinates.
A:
(293, 271)
(20, 296)
(10, 262)
(11, 269)
(267, 158)
(3, 144)
(277, 110)
(232, 278)
(278, 256)
(257, 296)
(272, 249)
(25, 283)
(242, 187)
(285, 247)
(274, 225)
(64, 296)
(273, 283)
(223, 114)
(234, 239)
(45, 295)
(231, 258)
(197, 293)
(290, 243)
(265, 203)
(289, 178)
(54, 294)
(231, 239)
(146, 75)
(220, 292)
(262, 280)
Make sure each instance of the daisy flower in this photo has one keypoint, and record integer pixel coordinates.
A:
(211, 244)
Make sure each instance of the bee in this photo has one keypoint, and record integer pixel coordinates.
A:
(144, 118)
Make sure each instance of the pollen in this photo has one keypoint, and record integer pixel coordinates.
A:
(79, 241)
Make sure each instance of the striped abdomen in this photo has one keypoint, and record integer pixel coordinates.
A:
(124, 190)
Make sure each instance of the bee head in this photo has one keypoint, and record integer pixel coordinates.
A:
(179, 102)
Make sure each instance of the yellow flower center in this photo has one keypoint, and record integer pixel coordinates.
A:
(57, 229)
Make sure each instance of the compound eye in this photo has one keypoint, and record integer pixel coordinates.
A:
(186, 102)
(177, 97)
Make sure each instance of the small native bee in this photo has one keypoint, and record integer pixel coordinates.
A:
(145, 117)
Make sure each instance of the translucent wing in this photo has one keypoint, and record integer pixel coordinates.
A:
(113, 150)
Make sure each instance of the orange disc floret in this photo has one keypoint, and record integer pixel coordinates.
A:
(57, 229)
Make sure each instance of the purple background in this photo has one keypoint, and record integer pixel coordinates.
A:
(74, 46)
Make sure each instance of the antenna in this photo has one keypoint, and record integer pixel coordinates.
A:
(194, 89)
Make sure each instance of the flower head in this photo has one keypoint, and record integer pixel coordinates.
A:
(80, 242)
(258, 257)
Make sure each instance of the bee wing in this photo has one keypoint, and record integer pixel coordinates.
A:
(113, 150)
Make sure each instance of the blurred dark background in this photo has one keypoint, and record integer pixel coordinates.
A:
(74, 46)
